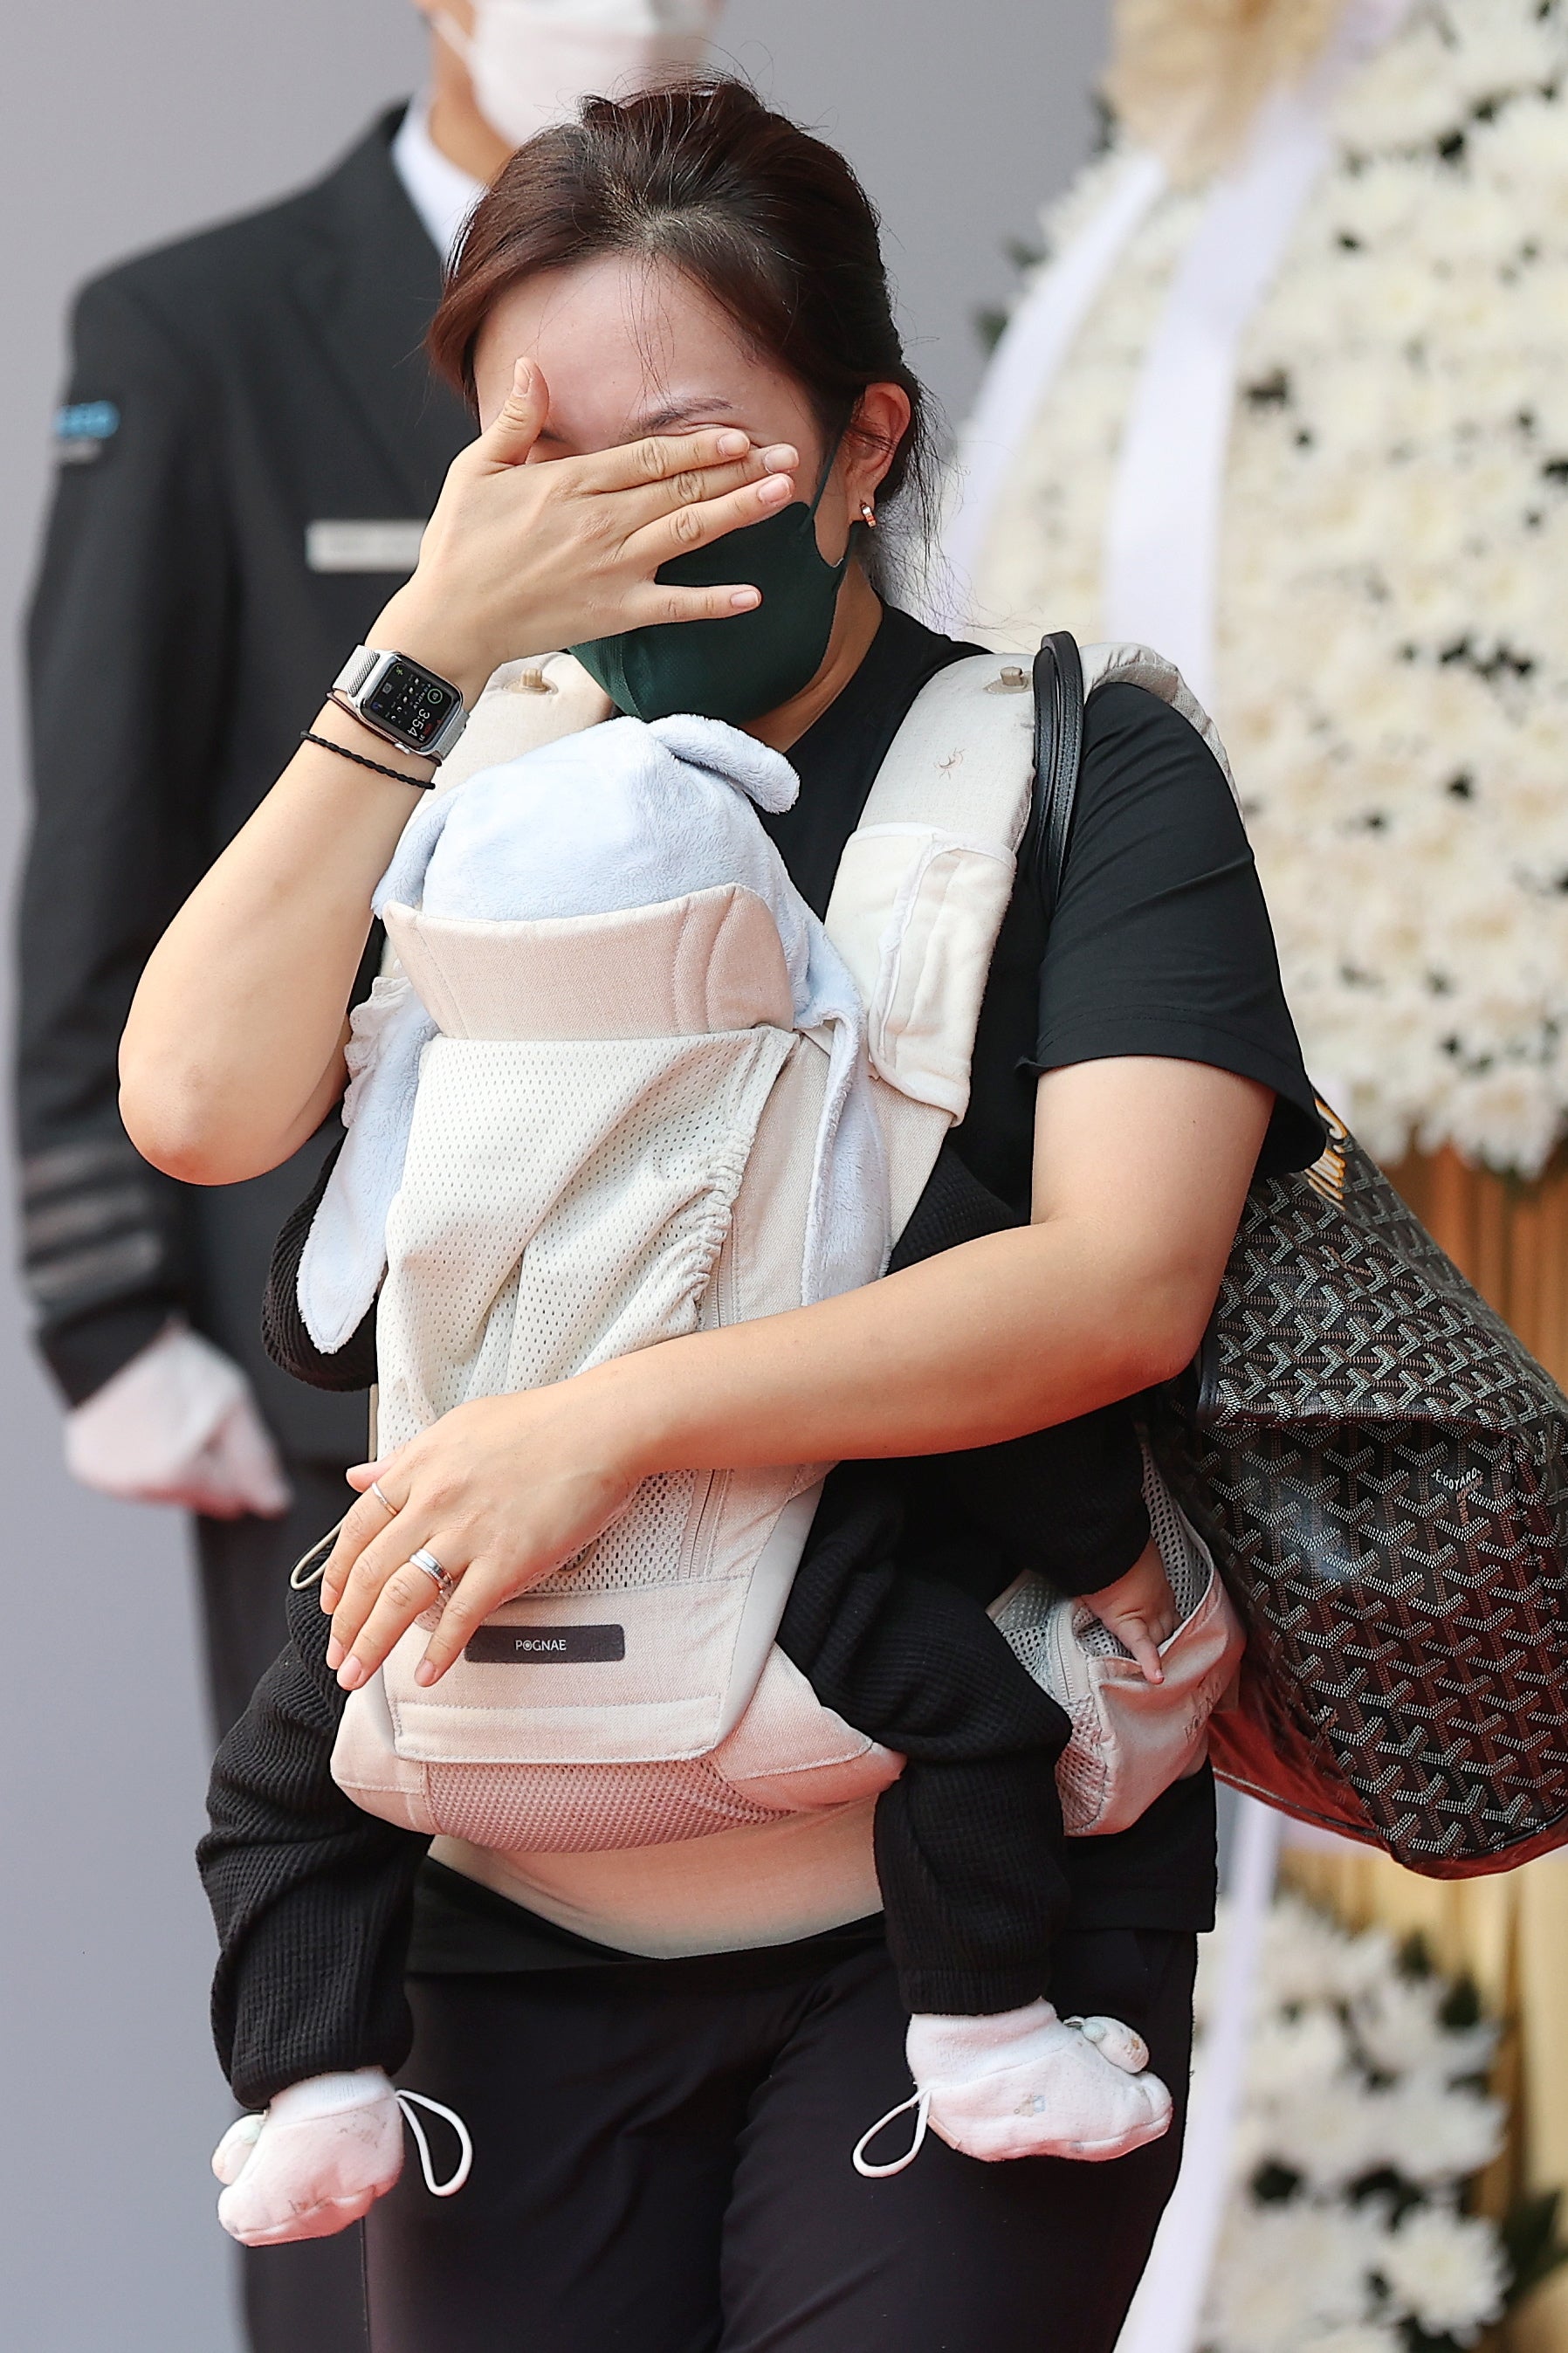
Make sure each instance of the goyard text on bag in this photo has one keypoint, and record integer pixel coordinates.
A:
(1377, 1465)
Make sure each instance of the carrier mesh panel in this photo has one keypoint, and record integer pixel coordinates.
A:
(1035, 1622)
(1027, 1620)
(585, 1808)
(686, 1128)
(642, 1548)
(1097, 1640)
(1081, 1770)
(1035, 1625)
(1027, 1624)
(1185, 1566)
(562, 1204)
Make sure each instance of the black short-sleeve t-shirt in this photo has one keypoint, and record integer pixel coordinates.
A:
(1160, 945)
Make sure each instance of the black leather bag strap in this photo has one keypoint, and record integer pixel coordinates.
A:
(1058, 746)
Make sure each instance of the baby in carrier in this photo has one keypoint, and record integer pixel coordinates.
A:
(910, 1603)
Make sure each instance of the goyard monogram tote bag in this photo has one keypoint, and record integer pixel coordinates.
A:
(1378, 1466)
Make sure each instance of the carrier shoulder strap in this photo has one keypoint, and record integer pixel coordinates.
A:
(1134, 665)
(525, 704)
(1064, 676)
(982, 776)
(918, 901)
(982, 771)
(925, 878)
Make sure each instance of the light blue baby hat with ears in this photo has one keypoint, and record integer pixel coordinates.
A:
(617, 817)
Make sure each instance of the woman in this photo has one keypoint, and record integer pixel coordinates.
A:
(674, 323)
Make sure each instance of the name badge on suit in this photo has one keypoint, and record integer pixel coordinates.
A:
(351, 545)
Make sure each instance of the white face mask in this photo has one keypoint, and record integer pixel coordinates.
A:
(531, 60)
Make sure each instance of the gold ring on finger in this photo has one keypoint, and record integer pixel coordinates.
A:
(387, 1505)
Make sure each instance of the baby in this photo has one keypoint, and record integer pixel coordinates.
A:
(887, 1616)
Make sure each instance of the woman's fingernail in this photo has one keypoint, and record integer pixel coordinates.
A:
(733, 445)
(350, 1674)
(425, 1674)
(334, 1654)
(774, 488)
(745, 600)
(782, 458)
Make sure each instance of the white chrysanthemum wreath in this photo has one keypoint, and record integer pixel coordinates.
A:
(1364, 2118)
(1393, 623)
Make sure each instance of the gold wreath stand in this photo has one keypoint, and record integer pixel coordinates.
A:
(1511, 1933)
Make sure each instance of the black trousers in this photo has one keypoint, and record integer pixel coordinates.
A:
(308, 2298)
(662, 2165)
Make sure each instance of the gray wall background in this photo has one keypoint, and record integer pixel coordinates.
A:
(128, 125)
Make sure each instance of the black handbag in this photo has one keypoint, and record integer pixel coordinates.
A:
(1377, 1465)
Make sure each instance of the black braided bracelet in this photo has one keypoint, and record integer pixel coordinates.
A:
(376, 767)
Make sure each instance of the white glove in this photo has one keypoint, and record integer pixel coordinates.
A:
(178, 1424)
(321, 2156)
(1026, 2083)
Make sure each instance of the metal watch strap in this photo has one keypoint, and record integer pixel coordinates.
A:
(355, 672)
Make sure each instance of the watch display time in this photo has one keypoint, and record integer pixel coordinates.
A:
(412, 703)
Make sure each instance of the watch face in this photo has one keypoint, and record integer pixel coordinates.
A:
(413, 703)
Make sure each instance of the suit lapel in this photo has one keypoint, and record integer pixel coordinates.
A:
(369, 284)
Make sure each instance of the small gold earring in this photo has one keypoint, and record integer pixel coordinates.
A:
(868, 514)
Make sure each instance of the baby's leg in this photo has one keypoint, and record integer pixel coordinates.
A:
(968, 1857)
(969, 1838)
(969, 1844)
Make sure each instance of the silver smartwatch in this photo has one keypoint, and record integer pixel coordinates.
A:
(400, 700)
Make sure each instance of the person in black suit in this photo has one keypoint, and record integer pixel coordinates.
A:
(249, 444)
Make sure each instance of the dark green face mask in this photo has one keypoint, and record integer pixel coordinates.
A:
(731, 670)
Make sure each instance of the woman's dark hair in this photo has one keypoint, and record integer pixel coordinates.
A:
(770, 222)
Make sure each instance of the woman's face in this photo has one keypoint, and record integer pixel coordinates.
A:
(630, 346)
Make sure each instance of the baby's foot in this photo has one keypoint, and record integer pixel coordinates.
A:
(1029, 2084)
(1120, 2044)
(323, 2153)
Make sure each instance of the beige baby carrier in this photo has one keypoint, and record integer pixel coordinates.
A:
(612, 1146)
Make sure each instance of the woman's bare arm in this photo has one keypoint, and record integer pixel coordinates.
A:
(233, 1054)
(1141, 1167)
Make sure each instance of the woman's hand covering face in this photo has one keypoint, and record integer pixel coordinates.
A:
(520, 557)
